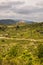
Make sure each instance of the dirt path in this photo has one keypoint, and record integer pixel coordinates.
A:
(22, 39)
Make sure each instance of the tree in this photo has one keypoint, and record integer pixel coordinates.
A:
(17, 27)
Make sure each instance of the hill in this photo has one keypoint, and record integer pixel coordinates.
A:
(8, 21)
(11, 21)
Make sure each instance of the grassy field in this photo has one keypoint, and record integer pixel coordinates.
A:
(21, 44)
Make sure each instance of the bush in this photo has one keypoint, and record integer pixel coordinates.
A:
(13, 51)
(40, 51)
(1, 60)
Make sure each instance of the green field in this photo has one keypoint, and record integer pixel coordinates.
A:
(21, 44)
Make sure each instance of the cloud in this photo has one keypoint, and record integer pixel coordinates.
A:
(30, 10)
(10, 5)
(22, 9)
(40, 4)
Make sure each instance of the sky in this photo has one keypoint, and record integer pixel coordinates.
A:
(22, 9)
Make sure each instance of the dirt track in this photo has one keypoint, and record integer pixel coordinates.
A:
(22, 39)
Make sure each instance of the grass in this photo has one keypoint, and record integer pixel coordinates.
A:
(21, 52)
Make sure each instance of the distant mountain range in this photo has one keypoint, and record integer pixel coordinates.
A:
(10, 21)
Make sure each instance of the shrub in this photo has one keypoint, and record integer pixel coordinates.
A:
(40, 51)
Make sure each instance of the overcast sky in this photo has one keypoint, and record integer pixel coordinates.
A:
(21, 9)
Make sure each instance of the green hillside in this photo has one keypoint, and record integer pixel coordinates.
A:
(21, 44)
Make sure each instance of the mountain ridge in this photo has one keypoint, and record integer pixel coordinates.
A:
(11, 21)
